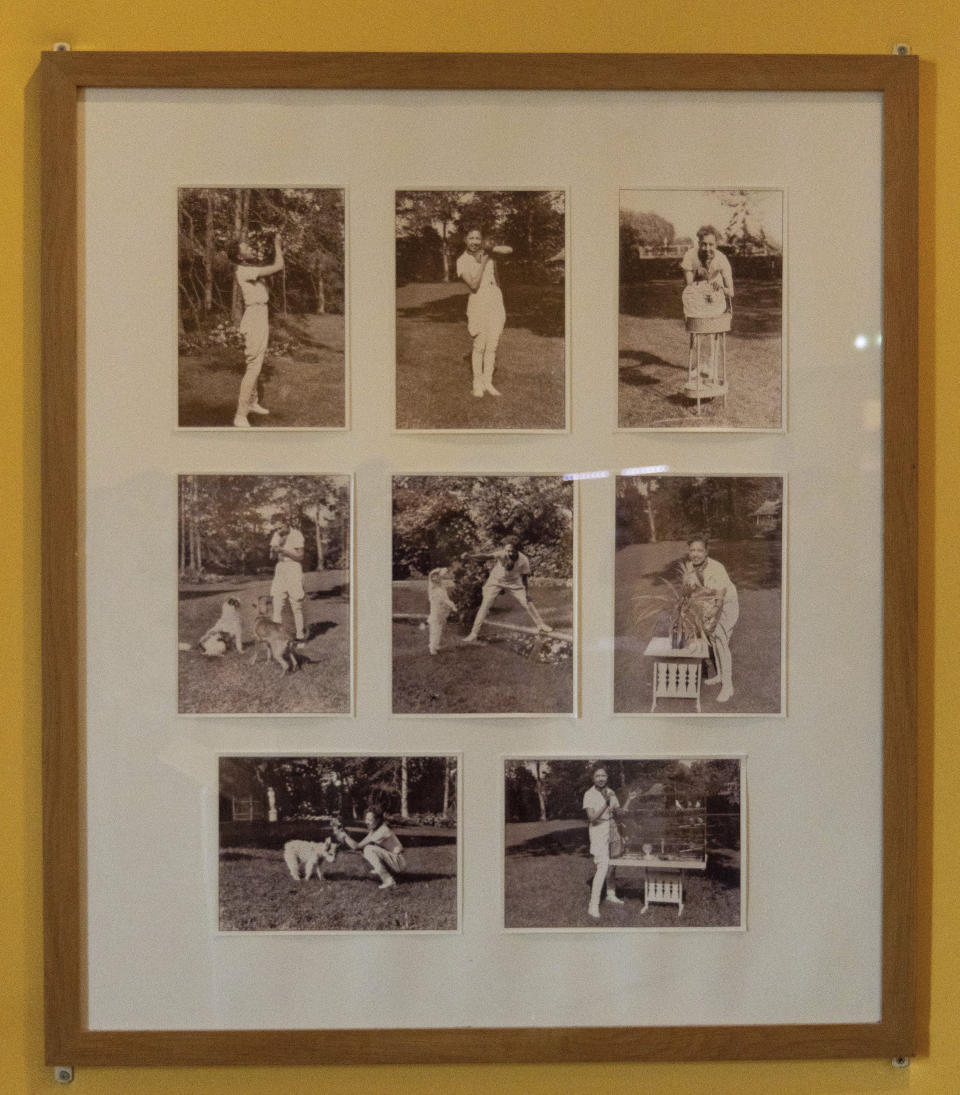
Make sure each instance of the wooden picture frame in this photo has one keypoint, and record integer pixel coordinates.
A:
(65, 78)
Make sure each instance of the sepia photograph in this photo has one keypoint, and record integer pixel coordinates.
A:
(481, 310)
(261, 308)
(483, 594)
(264, 610)
(638, 843)
(698, 595)
(701, 310)
(323, 843)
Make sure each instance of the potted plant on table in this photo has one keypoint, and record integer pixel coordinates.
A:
(685, 610)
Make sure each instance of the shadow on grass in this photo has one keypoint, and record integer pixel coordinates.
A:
(320, 628)
(635, 375)
(230, 584)
(562, 842)
(230, 587)
(537, 308)
(323, 594)
(757, 306)
(238, 842)
(403, 879)
(427, 839)
(724, 867)
(681, 399)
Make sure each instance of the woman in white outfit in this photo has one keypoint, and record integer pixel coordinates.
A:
(286, 550)
(486, 315)
(706, 573)
(255, 324)
(600, 805)
(381, 848)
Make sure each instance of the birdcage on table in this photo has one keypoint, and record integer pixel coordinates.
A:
(663, 831)
(707, 316)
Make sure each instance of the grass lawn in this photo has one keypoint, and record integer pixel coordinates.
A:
(434, 377)
(653, 360)
(502, 673)
(258, 894)
(754, 568)
(231, 685)
(305, 387)
(548, 871)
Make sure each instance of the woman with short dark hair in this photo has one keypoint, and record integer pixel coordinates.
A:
(381, 847)
(486, 315)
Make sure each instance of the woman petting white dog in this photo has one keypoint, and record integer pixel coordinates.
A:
(380, 847)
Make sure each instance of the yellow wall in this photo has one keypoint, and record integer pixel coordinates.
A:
(828, 26)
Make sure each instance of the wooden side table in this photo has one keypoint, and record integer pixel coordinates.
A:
(662, 878)
(676, 670)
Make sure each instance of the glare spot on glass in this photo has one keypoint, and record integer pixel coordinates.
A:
(861, 342)
(587, 475)
(651, 469)
(879, 339)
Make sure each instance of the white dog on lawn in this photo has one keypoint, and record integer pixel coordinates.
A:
(309, 853)
(216, 640)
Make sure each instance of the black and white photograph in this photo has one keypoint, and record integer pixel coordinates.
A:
(483, 594)
(326, 843)
(481, 310)
(701, 310)
(261, 308)
(698, 589)
(627, 843)
(264, 609)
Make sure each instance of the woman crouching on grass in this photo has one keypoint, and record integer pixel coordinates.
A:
(380, 847)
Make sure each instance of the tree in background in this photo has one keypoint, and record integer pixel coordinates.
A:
(677, 507)
(438, 518)
(311, 222)
(426, 217)
(744, 232)
(225, 521)
(311, 787)
(431, 226)
(648, 232)
(548, 790)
